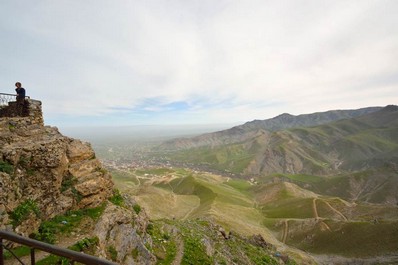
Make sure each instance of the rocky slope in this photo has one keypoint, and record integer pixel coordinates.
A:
(49, 182)
(56, 172)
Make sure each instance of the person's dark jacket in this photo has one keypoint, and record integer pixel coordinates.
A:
(20, 93)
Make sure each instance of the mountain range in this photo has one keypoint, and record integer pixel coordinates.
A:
(294, 145)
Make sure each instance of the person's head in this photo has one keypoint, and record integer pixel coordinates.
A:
(18, 84)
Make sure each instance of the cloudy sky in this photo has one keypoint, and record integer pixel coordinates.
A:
(127, 62)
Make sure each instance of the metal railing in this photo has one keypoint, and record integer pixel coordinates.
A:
(5, 98)
(73, 256)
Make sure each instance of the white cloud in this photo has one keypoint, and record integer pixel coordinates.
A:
(228, 60)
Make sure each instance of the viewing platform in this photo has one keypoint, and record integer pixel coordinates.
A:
(27, 108)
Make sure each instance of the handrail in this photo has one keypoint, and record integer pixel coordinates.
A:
(62, 252)
(5, 98)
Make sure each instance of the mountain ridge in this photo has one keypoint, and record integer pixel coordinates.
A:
(345, 145)
(252, 128)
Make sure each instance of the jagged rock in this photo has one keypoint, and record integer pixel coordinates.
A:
(53, 174)
(120, 229)
(258, 240)
(57, 172)
(79, 151)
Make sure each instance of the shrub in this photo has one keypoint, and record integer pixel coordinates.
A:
(68, 183)
(65, 224)
(85, 244)
(137, 208)
(46, 233)
(117, 198)
(22, 212)
(6, 167)
(112, 252)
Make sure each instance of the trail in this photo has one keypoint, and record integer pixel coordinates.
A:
(326, 226)
(285, 231)
(315, 210)
(336, 211)
(188, 214)
(179, 251)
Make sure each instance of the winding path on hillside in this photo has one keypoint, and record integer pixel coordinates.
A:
(326, 226)
(315, 210)
(336, 211)
(189, 213)
(285, 231)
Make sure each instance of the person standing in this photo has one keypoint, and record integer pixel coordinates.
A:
(20, 98)
(20, 91)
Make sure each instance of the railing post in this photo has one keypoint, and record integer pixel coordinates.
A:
(1, 252)
(32, 256)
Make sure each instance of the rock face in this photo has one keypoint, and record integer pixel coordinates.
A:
(124, 231)
(44, 174)
(41, 166)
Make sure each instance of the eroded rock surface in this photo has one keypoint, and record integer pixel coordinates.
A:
(56, 172)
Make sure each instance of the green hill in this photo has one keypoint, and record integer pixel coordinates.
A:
(278, 207)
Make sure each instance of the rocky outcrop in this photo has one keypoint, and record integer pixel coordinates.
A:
(44, 174)
(52, 172)
(122, 230)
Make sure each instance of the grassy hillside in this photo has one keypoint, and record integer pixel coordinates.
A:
(330, 225)
(275, 207)
(378, 185)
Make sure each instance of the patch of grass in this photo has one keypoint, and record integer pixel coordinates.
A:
(257, 256)
(46, 233)
(52, 260)
(352, 239)
(30, 171)
(112, 253)
(239, 184)
(25, 161)
(6, 167)
(65, 224)
(78, 196)
(117, 198)
(163, 247)
(68, 182)
(291, 208)
(85, 245)
(137, 208)
(233, 157)
(18, 251)
(121, 178)
(22, 211)
(194, 252)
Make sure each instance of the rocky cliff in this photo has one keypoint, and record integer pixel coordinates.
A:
(41, 165)
(45, 175)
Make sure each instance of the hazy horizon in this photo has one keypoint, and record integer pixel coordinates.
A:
(97, 134)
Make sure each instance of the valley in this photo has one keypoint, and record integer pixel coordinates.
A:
(319, 194)
(295, 220)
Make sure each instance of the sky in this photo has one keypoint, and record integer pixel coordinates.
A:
(153, 62)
